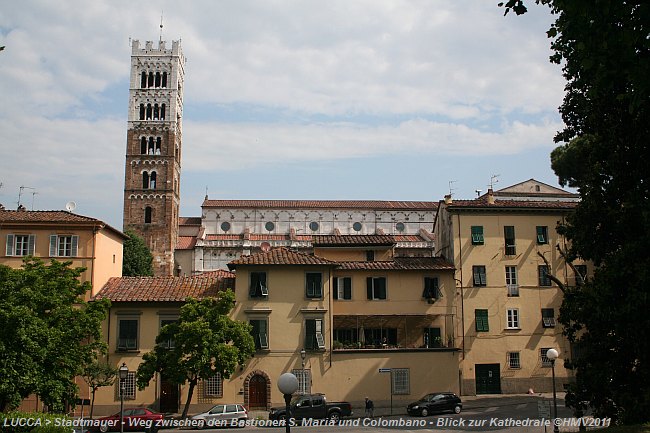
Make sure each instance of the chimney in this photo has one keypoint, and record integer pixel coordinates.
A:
(21, 208)
(448, 199)
(490, 196)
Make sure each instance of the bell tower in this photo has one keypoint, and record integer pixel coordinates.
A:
(153, 149)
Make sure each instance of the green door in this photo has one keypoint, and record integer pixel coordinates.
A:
(488, 380)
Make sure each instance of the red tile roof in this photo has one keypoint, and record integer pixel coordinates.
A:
(280, 256)
(321, 204)
(189, 221)
(499, 204)
(186, 242)
(59, 217)
(348, 240)
(166, 289)
(401, 264)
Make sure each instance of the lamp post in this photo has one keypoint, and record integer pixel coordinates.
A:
(123, 373)
(287, 384)
(552, 355)
(303, 355)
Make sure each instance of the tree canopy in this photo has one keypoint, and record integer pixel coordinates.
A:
(204, 342)
(137, 261)
(49, 334)
(604, 49)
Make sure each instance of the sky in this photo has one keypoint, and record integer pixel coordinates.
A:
(284, 99)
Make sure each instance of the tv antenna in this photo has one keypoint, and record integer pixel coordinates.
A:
(478, 192)
(161, 25)
(20, 194)
(493, 180)
(451, 182)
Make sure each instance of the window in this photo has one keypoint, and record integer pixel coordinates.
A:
(477, 235)
(511, 281)
(581, 274)
(314, 334)
(542, 235)
(213, 387)
(342, 288)
(304, 380)
(542, 355)
(432, 338)
(480, 277)
(147, 214)
(431, 288)
(169, 343)
(260, 333)
(370, 256)
(481, 317)
(513, 318)
(129, 386)
(313, 226)
(548, 317)
(20, 245)
(258, 287)
(509, 240)
(357, 226)
(127, 334)
(145, 180)
(63, 246)
(400, 381)
(314, 283)
(542, 272)
(514, 360)
(225, 226)
(269, 226)
(376, 287)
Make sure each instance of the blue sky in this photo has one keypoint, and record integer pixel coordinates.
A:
(387, 100)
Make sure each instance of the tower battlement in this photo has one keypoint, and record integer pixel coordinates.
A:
(161, 50)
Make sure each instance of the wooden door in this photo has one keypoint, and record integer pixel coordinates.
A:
(169, 397)
(257, 397)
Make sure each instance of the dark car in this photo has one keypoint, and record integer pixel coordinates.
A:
(135, 419)
(436, 402)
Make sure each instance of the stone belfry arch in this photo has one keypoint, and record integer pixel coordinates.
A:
(153, 149)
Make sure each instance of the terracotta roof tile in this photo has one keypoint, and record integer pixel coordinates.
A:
(321, 204)
(482, 203)
(401, 264)
(45, 216)
(189, 221)
(186, 242)
(166, 289)
(280, 256)
(342, 240)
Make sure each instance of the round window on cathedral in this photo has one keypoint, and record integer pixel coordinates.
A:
(357, 226)
(225, 226)
(313, 226)
(269, 226)
(399, 227)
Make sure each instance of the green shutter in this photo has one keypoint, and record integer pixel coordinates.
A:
(482, 324)
(347, 288)
(310, 334)
(75, 245)
(336, 288)
(542, 234)
(31, 245)
(477, 235)
(255, 332)
(381, 288)
(53, 239)
(10, 245)
(369, 287)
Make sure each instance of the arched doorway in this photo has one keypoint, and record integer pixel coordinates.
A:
(257, 392)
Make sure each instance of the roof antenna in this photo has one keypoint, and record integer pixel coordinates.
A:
(161, 26)
(20, 192)
(450, 188)
(493, 180)
(206, 192)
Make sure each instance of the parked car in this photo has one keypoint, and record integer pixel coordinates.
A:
(221, 415)
(436, 402)
(135, 419)
(314, 406)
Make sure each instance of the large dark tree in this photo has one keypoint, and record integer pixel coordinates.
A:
(138, 261)
(48, 334)
(604, 49)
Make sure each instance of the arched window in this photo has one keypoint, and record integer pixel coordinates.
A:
(150, 150)
(152, 180)
(150, 79)
(147, 214)
(164, 79)
(143, 80)
(162, 112)
(157, 79)
(143, 145)
(149, 112)
(156, 112)
(141, 111)
(158, 145)
(145, 180)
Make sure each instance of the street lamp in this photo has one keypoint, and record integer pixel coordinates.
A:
(552, 355)
(123, 373)
(303, 355)
(287, 384)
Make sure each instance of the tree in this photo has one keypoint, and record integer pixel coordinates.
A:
(49, 333)
(206, 342)
(138, 261)
(604, 50)
(98, 374)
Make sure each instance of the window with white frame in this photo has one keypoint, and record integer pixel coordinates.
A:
(127, 334)
(512, 319)
(542, 273)
(548, 318)
(314, 284)
(400, 381)
(64, 245)
(168, 343)
(260, 333)
(431, 288)
(514, 360)
(343, 288)
(304, 380)
(511, 281)
(376, 287)
(129, 386)
(213, 387)
(314, 339)
(20, 245)
(258, 286)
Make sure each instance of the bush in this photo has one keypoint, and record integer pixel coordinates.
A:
(34, 422)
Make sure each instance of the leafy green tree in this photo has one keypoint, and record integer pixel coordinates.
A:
(206, 342)
(97, 375)
(49, 333)
(604, 49)
(138, 261)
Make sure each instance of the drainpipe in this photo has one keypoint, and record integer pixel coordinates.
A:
(462, 289)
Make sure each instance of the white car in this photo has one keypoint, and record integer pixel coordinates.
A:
(221, 415)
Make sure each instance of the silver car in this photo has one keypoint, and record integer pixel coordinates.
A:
(221, 415)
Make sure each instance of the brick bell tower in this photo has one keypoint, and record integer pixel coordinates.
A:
(153, 149)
